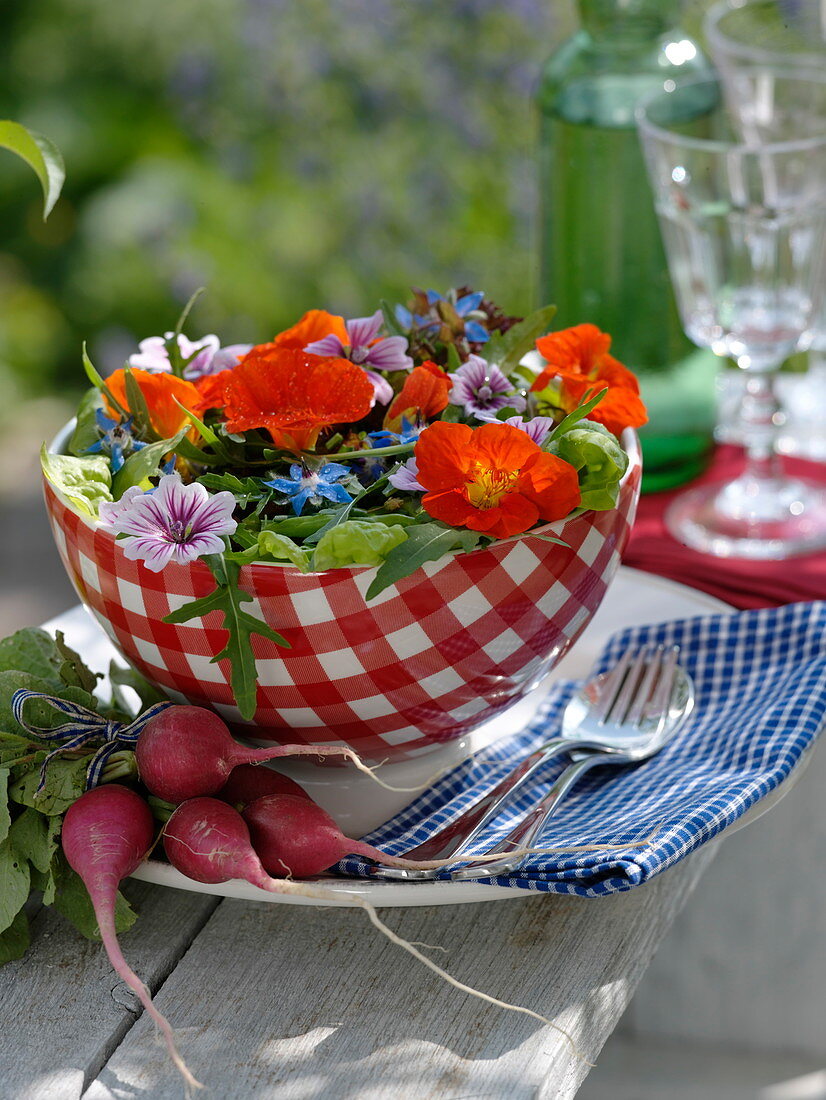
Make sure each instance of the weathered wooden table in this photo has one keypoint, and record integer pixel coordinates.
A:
(294, 1002)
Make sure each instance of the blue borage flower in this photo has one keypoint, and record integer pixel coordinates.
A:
(116, 441)
(466, 307)
(408, 433)
(305, 485)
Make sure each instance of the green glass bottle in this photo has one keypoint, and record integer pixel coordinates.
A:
(602, 257)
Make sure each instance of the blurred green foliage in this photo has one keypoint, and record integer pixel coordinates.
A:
(284, 153)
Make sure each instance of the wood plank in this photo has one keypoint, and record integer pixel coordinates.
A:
(274, 1001)
(63, 1008)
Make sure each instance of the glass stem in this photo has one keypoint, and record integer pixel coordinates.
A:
(759, 420)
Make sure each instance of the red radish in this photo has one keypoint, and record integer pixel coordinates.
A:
(106, 834)
(250, 781)
(184, 752)
(294, 836)
(209, 841)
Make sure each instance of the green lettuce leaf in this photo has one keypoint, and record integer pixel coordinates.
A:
(85, 482)
(281, 548)
(357, 542)
(599, 460)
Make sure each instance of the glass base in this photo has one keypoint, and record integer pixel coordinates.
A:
(801, 422)
(750, 518)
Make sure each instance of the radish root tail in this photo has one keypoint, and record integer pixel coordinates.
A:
(125, 972)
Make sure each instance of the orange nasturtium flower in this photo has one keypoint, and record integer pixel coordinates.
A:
(493, 478)
(423, 395)
(294, 395)
(314, 325)
(160, 392)
(579, 358)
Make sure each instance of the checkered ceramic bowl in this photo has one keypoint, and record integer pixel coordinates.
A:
(428, 660)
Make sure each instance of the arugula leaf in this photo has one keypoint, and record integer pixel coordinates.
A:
(175, 359)
(573, 418)
(86, 432)
(506, 349)
(144, 463)
(85, 482)
(424, 542)
(72, 901)
(96, 380)
(14, 875)
(187, 449)
(245, 490)
(390, 323)
(239, 625)
(138, 407)
(14, 942)
(34, 837)
(73, 672)
(41, 155)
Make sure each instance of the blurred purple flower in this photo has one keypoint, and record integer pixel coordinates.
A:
(176, 522)
(384, 353)
(483, 389)
(205, 356)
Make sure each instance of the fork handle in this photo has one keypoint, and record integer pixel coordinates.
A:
(454, 838)
(529, 828)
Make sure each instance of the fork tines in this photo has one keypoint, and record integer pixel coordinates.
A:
(637, 682)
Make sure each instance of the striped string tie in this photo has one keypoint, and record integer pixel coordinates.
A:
(84, 727)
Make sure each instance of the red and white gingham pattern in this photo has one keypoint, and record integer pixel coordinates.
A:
(428, 660)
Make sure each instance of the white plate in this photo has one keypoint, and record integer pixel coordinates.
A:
(359, 805)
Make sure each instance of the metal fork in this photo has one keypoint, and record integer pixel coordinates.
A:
(626, 715)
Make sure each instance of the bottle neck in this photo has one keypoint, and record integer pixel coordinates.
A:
(627, 23)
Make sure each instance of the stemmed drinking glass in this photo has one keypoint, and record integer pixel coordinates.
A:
(747, 40)
(742, 211)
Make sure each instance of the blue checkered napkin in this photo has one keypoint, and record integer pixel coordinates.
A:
(761, 701)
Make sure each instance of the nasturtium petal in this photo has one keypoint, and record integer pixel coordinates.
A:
(161, 392)
(293, 395)
(314, 325)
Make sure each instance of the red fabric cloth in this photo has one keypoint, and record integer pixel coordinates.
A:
(741, 583)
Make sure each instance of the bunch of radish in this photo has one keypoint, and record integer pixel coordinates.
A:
(234, 820)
